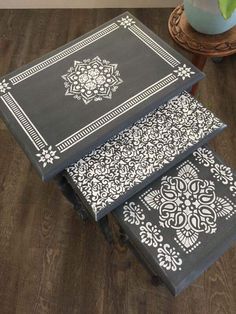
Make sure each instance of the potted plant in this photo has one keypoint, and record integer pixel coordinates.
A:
(211, 16)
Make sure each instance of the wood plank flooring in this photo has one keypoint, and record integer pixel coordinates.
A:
(50, 261)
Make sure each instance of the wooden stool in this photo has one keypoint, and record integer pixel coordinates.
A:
(201, 45)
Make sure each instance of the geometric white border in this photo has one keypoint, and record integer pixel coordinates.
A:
(63, 54)
(165, 55)
(26, 124)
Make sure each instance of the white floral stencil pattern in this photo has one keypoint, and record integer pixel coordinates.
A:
(204, 156)
(4, 86)
(134, 154)
(47, 156)
(220, 172)
(150, 234)
(133, 213)
(169, 258)
(92, 79)
(189, 205)
(184, 72)
(126, 21)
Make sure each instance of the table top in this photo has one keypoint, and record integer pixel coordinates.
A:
(125, 164)
(75, 98)
(185, 220)
(181, 31)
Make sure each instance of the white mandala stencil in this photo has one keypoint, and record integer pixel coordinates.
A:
(92, 79)
(189, 205)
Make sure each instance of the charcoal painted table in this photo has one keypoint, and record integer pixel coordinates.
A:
(106, 115)
(182, 222)
(201, 45)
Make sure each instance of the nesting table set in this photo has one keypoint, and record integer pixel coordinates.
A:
(108, 116)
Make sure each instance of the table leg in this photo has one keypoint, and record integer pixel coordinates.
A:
(104, 226)
(199, 61)
(71, 196)
(155, 279)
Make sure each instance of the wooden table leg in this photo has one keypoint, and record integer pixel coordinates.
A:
(71, 196)
(105, 228)
(199, 61)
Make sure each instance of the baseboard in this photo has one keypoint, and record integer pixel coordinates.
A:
(24, 4)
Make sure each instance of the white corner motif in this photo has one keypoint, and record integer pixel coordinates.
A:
(47, 156)
(184, 72)
(4, 86)
(92, 79)
(169, 258)
(126, 21)
(220, 172)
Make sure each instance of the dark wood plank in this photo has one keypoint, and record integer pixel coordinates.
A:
(52, 262)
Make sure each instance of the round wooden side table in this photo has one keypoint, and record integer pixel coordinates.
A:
(202, 46)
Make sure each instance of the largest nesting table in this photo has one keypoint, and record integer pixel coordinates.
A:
(108, 116)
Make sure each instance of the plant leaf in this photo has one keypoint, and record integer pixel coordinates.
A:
(227, 7)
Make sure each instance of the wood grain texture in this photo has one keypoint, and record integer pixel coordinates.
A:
(52, 262)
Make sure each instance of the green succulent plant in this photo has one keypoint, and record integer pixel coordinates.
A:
(227, 7)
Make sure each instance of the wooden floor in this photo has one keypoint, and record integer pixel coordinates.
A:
(50, 261)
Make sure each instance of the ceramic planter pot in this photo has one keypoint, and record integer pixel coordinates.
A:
(205, 16)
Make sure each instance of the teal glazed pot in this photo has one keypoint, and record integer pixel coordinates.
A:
(205, 17)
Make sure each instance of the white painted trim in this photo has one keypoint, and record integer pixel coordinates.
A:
(18, 4)
(132, 102)
(24, 121)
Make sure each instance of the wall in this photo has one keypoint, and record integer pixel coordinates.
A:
(4, 4)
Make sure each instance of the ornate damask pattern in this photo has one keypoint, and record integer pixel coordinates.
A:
(92, 80)
(151, 143)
